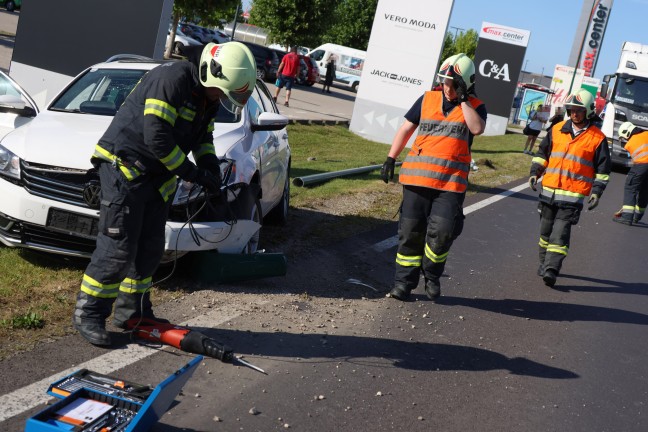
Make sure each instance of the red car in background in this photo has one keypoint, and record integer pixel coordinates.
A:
(310, 75)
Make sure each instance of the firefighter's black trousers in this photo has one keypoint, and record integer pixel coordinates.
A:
(130, 242)
(635, 193)
(555, 233)
(430, 221)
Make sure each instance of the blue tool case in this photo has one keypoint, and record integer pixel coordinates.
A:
(91, 402)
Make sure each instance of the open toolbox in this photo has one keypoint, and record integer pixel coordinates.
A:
(92, 402)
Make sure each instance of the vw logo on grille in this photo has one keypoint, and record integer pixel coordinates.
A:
(91, 195)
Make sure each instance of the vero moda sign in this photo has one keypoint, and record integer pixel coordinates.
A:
(498, 63)
(403, 52)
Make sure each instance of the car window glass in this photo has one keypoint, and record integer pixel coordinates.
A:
(317, 55)
(7, 88)
(107, 86)
(255, 106)
(266, 98)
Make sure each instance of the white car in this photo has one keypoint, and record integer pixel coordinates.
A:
(49, 189)
(181, 41)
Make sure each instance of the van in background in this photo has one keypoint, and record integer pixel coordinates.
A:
(348, 64)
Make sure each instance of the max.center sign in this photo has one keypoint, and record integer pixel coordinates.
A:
(404, 49)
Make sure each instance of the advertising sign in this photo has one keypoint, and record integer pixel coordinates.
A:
(498, 63)
(533, 100)
(562, 79)
(597, 23)
(53, 44)
(397, 71)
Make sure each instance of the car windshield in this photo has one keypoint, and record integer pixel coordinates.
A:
(632, 92)
(98, 91)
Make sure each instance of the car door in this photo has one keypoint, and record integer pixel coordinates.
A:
(273, 150)
(16, 106)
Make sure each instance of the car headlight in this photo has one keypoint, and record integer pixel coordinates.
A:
(9, 164)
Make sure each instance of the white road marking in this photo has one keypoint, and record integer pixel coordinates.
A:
(393, 241)
(28, 397)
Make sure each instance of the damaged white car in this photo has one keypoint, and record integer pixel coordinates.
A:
(49, 189)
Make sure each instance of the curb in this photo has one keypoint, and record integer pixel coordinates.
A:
(345, 123)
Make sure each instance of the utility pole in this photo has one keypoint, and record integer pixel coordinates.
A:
(238, 5)
(456, 29)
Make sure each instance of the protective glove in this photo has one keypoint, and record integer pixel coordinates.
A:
(532, 182)
(387, 170)
(209, 179)
(592, 202)
(461, 88)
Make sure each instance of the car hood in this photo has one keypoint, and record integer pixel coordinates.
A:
(226, 136)
(58, 139)
(68, 140)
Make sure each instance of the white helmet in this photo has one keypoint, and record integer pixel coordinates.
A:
(581, 98)
(231, 68)
(626, 129)
(458, 64)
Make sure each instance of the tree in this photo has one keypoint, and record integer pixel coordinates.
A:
(210, 10)
(352, 24)
(294, 22)
(465, 42)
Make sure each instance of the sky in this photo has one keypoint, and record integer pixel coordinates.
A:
(552, 24)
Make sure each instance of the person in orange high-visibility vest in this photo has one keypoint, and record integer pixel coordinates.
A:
(635, 194)
(434, 175)
(575, 161)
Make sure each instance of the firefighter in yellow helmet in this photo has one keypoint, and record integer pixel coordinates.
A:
(575, 161)
(635, 194)
(434, 175)
(139, 158)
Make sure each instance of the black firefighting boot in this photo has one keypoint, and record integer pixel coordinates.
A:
(549, 277)
(90, 316)
(399, 292)
(135, 305)
(433, 288)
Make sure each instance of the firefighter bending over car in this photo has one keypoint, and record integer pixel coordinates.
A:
(168, 114)
(434, 175)
(635, 193)
(575, 161)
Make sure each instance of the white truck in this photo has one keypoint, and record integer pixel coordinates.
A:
(626, 97)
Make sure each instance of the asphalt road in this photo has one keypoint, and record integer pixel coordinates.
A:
(500, 352)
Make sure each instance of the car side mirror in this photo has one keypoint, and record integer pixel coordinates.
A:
(270, 122)
(15, 104)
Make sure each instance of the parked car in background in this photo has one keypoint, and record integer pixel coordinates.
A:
(218, 36)
(181, 41)
(309, 74)
(50, 192)
(197, 32)
(12, 5)
(266, 60)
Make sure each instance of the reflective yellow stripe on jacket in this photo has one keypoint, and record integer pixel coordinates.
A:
(161, 109)
(130, 173)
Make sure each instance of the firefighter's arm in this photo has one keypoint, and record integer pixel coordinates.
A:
(541, 159)
(162, 107)
(603, 166)
(204, 152)
(400, 139)
(475, 123)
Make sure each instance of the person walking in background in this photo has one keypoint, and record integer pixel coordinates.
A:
(287, 73)
(532, 130)
(635, 193)
(558, 116)
(330, 74)
(575, 161)
(434, 175)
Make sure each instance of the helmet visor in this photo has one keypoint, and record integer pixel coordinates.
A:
(229, 105)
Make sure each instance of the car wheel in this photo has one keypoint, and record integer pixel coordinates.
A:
(279, 214)
(261, 74)
(354, 87)
(254, 213)
(10, 5)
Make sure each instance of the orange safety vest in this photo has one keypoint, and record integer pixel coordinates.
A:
(637, 146)
(571, 163)
(440, 157)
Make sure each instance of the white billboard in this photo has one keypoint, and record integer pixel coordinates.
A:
(404, 49)
(563, 78)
